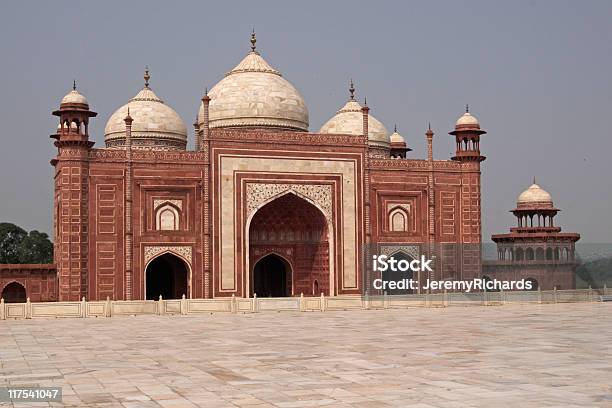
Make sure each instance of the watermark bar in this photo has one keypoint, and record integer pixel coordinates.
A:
(30, 394)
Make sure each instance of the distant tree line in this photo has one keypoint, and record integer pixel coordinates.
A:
(594, 273)
(17, 246)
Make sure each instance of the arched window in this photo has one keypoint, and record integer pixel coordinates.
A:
(529, 254)
(519, 254)
(398, 220)
(540, 254)
(549, 254)
(167, 218)
(556, 254)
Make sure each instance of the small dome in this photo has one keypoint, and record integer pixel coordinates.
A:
(74, 97)
(467, 119)
(535, 195)
(396, 137)
(349, 120)
(254, 94)
(156, 125)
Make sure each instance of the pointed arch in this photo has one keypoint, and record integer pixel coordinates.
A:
(167, 217)
(259, 236)
(398, 219)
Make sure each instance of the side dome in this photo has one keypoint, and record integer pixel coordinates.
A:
(254, 94)
(349, 120)
(467, 121)
(74, 99)
(534, 196)
(156, 126)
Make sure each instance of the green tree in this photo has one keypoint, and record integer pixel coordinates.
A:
(11, 237)
(36, 248)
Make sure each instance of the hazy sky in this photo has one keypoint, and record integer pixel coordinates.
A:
(537, 74)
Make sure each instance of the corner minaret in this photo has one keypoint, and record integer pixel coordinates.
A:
(467, 135)
(71, 195)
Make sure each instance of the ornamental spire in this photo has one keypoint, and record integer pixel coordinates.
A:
(147, 76)
(253, 41)
(467, 108)
(74, 84)
(352, 90)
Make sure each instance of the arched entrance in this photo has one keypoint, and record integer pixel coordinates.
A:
(167, 275)
(270, 277)
(297, 230)
(14, 292)
(398, 275)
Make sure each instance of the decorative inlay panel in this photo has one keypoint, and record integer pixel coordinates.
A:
(257, 194)
(412, 250)
(151, 252)
(177, 203)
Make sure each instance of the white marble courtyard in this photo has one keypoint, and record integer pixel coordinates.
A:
(499, 356)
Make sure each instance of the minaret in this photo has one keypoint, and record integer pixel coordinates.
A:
(129, 248)
(467, 136)
(71, 195)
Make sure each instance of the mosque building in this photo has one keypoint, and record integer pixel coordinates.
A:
(262, 205)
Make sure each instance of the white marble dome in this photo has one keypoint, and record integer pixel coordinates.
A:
(156, 126)
(254, 94)
(534, 195)
(74, 97)
(396, 137)
(467, 119)
(349, 120)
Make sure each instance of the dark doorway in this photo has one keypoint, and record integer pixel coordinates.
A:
(398, 275)
(167, 276)
(270, 277)
(14, 293)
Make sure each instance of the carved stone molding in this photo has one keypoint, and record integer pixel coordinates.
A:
(257, 194)
(177, 203)
(152, 251)
(411, 250)
(391, 206)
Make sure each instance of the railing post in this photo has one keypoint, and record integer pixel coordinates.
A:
(385, 300)
(83, 307)
(2, 311)
(28, 310)
(254, 302)
(555, 293)
(233, 305)
(590, 293)
(107, 307)
(445, 298)
(605, 289)
(539, 294)
(183, 305)
(160, 306)
(322, 302)
(301, 301)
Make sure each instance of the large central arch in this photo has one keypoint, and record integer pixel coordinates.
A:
(166, 275)
(298, 232)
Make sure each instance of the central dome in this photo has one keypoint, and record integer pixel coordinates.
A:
(254, 94)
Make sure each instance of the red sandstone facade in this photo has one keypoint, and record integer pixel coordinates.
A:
(144, 217)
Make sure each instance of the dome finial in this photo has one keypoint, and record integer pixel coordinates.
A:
(352, 90)
(395, 128)
(74, 84)
(365, 101)
(253, 41)
(428, 125)
(534, 180)
(147, 76)
(467, 108)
